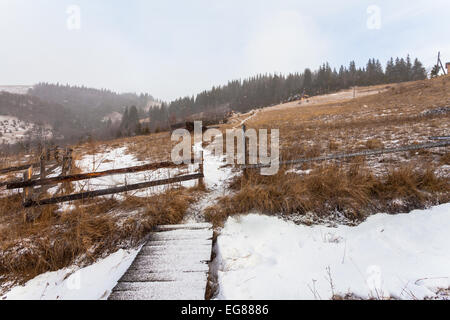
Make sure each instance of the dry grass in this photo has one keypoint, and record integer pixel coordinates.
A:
(155, 147)
(445, 159)
(94, 227)
(354, 192)
(374, 144)
(82, 235)
(360, 186)
(389, 119)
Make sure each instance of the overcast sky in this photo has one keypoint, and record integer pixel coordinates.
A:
(176, 48)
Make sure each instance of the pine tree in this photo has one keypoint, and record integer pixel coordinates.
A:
(307, 81)
(418, 71)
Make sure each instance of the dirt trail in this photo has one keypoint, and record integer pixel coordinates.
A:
(340, 96)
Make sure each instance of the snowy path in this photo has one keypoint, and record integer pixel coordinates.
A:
(173, 265)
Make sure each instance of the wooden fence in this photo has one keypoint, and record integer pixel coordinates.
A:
(30, 181)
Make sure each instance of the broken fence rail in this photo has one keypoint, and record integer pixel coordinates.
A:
(98, 193)
(46, 155)
(49, 171)
(21, 168)
(413, 147)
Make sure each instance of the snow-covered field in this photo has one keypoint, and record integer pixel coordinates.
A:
(118, 158)
(115, 117)
(13, 130)
(91, 283)
(16, 89)
(403, 256)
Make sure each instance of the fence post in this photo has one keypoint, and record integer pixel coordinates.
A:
(56, 154)
(64, 166)
(69, 161)
(27, 191)
(67, 167)
(244, 143)
(201, 181)
(27, 195)
(43, 173)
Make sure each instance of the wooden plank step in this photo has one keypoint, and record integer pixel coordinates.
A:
(178, 243)
(174, 261)
(197, 226)
(161, 291)
(172, 268)
(138, 276)
(202, 252)
(204, 234)
(172, 265)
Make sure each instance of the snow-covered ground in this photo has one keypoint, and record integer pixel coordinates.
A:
(403, 256)
(13, 130)
(16, 89)
(115, 117)
(91, 283)
(119, 158)
(260, 257)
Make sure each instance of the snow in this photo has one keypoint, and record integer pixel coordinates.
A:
(403, 256)
(94, 282)
(217, 174)
(115, 117)
(118, 158)
(13, 130)
(15, 89)
(171, 266)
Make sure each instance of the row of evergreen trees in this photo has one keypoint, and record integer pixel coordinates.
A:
(269, 89)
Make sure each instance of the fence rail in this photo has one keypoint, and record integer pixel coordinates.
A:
(366, 153)
(440, 138)
(92, 194)
(31, 180)
(87, 176)
(20, 168)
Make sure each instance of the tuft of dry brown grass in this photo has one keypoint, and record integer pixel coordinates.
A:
(445, 159)
(354, 192)
(374, 144)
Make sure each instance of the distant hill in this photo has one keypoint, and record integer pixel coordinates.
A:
(42, 113)
(91, 106)
(15, 89)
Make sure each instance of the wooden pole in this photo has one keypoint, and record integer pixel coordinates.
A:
(27, 191)
(201, 181)
(42, 168)
(244, 142)
(56, 153)
(440, 63)
(27, 195)
(42, 172)
(67, 167)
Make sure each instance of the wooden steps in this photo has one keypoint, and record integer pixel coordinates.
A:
(172, 265)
